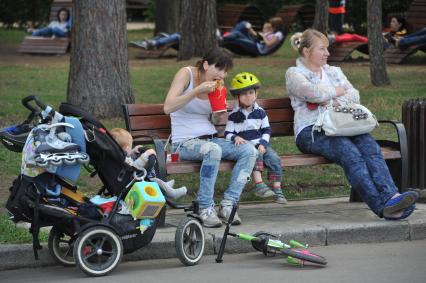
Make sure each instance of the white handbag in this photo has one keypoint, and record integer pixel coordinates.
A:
(349, 120)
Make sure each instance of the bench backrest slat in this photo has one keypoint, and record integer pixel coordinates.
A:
(149, 119)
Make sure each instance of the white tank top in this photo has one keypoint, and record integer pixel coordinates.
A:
(192, 120)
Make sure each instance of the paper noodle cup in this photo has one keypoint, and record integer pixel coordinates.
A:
(217, 98)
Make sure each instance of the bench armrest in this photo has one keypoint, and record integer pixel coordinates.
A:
(402, 146)
(161, 158)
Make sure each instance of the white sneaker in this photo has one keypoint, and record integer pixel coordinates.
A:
(225, 212)
(209, 217)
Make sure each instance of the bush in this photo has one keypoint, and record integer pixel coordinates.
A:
(20, 12)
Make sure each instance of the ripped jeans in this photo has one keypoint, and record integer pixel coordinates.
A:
(210, 152)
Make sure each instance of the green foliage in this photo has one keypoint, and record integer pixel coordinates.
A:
(21, 11)
(356, 13)
(149, 14)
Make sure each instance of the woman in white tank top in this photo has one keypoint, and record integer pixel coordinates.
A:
(195, 137)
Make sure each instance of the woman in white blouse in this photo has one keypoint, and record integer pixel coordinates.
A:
(312, 83)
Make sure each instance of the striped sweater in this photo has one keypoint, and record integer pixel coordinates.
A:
(255, 127)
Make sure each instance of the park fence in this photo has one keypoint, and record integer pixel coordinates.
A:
(414, 120)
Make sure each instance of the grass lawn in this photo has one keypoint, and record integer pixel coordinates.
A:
(46, 76)
(13, 234)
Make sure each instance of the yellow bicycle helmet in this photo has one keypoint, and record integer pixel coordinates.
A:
(244, 81)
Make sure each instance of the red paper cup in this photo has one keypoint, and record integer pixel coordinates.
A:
(175, 157)
(217, 99)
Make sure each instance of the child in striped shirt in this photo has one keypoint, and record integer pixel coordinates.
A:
(248, 122)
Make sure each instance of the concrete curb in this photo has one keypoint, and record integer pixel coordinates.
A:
(325, 224)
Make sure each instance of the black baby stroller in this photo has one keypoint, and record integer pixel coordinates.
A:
(80, 234)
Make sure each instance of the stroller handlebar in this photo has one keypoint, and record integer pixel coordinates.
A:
(26, 102)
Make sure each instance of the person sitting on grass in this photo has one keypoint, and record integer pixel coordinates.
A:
(59, 28)
(139, 158)
(248, 123)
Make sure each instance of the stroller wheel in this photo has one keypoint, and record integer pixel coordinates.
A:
(189, 241)
(98, 250)
(61, 247)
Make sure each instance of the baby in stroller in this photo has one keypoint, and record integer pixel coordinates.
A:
(139, 157)
(95, 244)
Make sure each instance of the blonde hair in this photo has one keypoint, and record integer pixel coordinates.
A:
(306, 39)
(122, 137)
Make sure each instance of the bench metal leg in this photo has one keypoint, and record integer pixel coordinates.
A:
(396, 172)
(354, 197)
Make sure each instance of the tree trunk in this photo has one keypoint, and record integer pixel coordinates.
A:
(321, 16)
(99, 79)
(378, 73)
(198, 28)
(167, 13)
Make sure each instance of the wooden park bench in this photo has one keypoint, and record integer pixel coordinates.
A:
(342, 51)
(48, 45)
(149, 125)
(156, 52)
(229, 15)
(416, 20)
(293, 15)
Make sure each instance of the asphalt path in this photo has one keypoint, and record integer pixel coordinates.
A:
(386, 262)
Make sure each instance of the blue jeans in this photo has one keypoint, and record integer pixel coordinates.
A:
(239, 35)
(362, 160)
(418, 37)
(47, 31)
(272, 161)
(173, 38)
(210, 152)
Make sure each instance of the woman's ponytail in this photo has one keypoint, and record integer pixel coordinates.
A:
(295, 40)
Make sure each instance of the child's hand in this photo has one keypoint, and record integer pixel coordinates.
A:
(239, 140)
(137, 149)
(261, 149)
